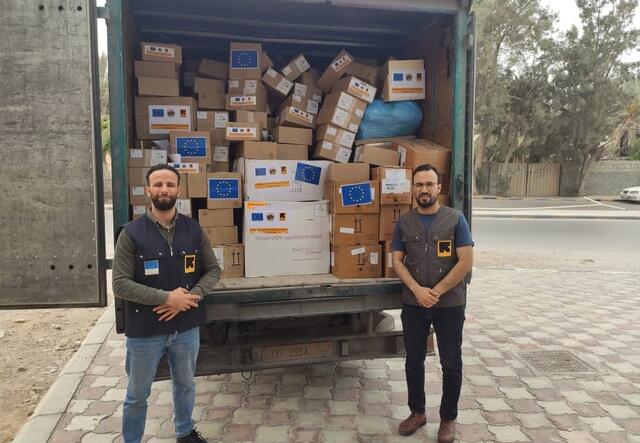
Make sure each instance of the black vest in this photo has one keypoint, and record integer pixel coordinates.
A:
(430, 255)
(167, 267)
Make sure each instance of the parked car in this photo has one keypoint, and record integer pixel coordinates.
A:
(631, 194)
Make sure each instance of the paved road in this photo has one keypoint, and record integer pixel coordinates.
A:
(562, 203)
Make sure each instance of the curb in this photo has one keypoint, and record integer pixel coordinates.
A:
(557, 217)
(39, 427)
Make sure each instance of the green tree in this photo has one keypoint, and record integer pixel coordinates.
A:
(104, 103)
(588, 84)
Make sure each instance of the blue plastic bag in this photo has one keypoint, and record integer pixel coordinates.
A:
(390, 119)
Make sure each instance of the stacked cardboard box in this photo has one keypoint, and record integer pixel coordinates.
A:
(354, 203)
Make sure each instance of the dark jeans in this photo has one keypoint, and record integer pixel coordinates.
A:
(447, 323)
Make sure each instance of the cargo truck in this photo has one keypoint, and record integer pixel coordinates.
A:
(52, 194)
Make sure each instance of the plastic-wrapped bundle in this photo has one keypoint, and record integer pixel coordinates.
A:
(390, 119)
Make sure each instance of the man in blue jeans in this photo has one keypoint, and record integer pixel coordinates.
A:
(432, 255)
(162, 267)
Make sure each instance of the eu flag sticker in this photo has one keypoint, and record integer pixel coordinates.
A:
(397, 76)
(157, 112)
(151, 267)
(244, 59)
(308, 173)
(191, 146)
(261, 171)
(356, 194)
(257, 216)
(224, 188)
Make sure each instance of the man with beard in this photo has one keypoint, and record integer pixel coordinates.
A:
(432, 255)
(162, 267)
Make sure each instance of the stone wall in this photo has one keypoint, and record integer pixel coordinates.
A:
(609, 177)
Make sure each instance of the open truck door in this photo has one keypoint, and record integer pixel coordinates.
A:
(51, 199)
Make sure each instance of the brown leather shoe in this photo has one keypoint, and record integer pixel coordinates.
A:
(447, 431)
(412, 423)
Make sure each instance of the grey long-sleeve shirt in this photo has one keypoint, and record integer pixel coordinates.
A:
(124, 263)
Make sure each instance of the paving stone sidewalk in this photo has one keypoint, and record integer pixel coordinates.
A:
(592, 315)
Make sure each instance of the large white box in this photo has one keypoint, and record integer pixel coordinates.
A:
(283, 180)
(286, 238)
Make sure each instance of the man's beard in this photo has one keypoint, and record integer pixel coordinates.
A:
(428, 203)
(164, 205)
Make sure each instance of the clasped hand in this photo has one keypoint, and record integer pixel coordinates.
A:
(426, 297)
(179, 300)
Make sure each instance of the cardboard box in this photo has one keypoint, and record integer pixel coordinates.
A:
(283, 180)
(243, 86)
(336, 69)
(230, 258)
(331, 151)
(277, 83)
(145, 158)
(156, 69)
(354, 172)
(376, 156)
(192, 146)
(137, 181)
(239, 131)
(292, 116)
(213, 69)
(349, 197)
(197, 184)
(414, 153)
(342, 110)
(356, 261)
(265, 62)
(388, 261)
(211, 100)
(354, 229)
(221, 167)
(335, 135)
(298, 101)
(395, 185)
(252, 117)
(209, 85)
(183, 206)
(286, 238)
(292, 152)
(222, 234)
(157, 116)
(365, 72)
(219, 136)
(307, 91)
(257, 150)
(389, 216)
(405, 80)
(356, 88)
(296, 67)
(138, 211)
(161, 52)
(295, 136)
(206, 120)
(254, 102)
(220, 154)
(245, 60)
(224, 190)
(309, 78)
(214, 218)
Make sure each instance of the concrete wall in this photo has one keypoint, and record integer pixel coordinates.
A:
(608, 177)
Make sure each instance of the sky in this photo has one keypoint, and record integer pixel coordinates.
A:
(566, 9)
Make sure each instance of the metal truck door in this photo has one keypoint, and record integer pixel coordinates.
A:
(51, 208)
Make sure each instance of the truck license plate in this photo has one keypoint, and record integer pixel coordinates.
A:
(297, 352)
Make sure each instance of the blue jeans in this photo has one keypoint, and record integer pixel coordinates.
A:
(143, 356)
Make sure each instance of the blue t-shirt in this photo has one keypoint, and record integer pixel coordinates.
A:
(462, 234)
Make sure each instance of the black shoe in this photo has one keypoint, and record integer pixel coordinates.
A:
(194, 437)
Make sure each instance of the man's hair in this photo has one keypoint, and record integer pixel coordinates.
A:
(160, 167)
(425, 167)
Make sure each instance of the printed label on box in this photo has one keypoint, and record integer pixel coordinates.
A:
(373, 258)
(353, 127)
(244, 59)
(320, 209)
(305, 116)
(271, 73)
(202, 115)
(224, 188)
(186, 168)
(250, 87)
(139, 210)
(166, 118)
(234, 132)
(234, 84)
(332, 130)
(347, 139)
(312, 107)
(357, 251)
(286, 70)
(284, 86)
(220, 153)
(356, 194)
(394, 187)
(243, 100)
(405, 82)
(344, 230)
(345, 101)
(158, 157)
(159, 51)
(191, 146)
(327, 145)
(219, 253)
(137, 190)
(220, 119)
(183, 206)
(300, 89)
(302, 64)
(359, 112)
(135, 153)
(340, 117)
(340, 63)
(343, 155)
